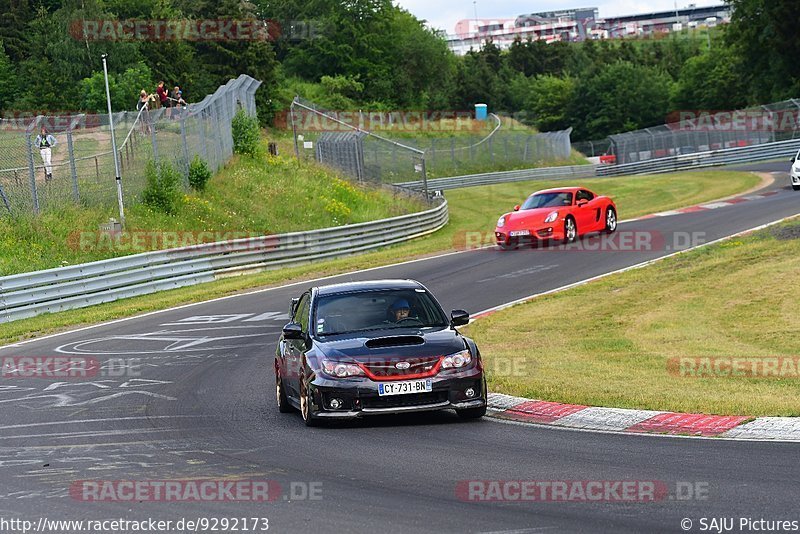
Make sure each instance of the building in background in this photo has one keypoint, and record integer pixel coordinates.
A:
(580, 24)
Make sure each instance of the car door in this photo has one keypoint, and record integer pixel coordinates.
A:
(586, 215)
(295, 348)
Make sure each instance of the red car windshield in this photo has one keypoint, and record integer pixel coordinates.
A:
(548, 200)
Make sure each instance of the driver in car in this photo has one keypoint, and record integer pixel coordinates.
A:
(400, 310)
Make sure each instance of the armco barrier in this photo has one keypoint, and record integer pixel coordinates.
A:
(30, 294)
(685, 162)
(711, 158)
(544, 173)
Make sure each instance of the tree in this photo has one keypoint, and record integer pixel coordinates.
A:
(622, 97)
(711, 82)
(764, 35)
(8, 80)
(545, 100)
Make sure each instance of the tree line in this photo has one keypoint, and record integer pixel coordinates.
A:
(371, 54)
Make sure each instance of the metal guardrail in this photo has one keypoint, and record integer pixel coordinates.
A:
(711, 158)
(684, 162)
(30, 294)
(471, 180)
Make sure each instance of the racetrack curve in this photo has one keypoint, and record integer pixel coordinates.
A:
(203, 408)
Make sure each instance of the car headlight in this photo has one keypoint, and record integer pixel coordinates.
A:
(457, 360)
(501, 221)
(552, 217)
(341, 370)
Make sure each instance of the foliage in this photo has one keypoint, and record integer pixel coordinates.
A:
(163, 188)
(199, 173)
(245, 132)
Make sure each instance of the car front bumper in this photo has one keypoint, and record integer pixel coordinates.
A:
(360, 396)
(554, 231)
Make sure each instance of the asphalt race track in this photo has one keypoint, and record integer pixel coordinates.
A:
(200, 406)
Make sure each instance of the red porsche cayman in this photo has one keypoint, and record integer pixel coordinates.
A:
(562, 214)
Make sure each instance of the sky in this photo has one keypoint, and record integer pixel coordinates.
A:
(444, 14)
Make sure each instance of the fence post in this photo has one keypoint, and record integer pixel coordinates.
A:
(154, 141)
(185, 147)
(5, 199)
(73, 171)
(32, 172)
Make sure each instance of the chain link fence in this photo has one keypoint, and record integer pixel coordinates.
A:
(82, 162)
(341, 140)
(702, 131)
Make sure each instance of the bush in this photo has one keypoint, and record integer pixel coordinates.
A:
(199, 174)
(246, 136)
(163, 189)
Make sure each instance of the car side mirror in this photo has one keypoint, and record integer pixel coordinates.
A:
(293, 331)
(293, 306)
(517, 207)
(582, 203)
(459, 317)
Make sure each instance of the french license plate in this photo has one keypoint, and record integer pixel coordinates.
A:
(519, 233)
(405, 388)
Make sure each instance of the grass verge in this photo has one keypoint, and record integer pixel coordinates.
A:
(619, 341)
(471, 209)
(247, 198)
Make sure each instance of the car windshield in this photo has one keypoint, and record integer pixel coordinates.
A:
(548, 200)
(362, 311)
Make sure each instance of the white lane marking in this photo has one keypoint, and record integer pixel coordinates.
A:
(522, 300)
(524, 272)
(102, 420)
(768, 428)
(89, 434)
(173, 343)
(268, 316)
(264, 290)
(209, 319)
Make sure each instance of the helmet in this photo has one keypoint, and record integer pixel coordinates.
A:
(400, 304)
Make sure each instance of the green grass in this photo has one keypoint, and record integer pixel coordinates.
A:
(252, 196)
(608, 343)
(472, 209)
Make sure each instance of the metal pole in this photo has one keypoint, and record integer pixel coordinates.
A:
(114, 146)
(294, 130)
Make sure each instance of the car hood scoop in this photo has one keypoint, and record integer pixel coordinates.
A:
(394, 341)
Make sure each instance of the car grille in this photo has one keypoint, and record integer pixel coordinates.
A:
(399, 401)
(387, 369)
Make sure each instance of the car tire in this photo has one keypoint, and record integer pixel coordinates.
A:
(796, 187)
(570, 231)
(611, 220)
(305, 405)
(280, 394)
(472, 413)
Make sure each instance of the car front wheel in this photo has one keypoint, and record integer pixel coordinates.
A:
(570, 230)
(611, 221)
(280, 394)
(796, 187)
(306, 409)
(472, 413)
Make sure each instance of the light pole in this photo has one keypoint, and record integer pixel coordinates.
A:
(114, 146)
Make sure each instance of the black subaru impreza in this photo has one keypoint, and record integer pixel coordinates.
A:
(377, 347)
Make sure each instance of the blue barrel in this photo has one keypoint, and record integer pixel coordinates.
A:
(481, 112)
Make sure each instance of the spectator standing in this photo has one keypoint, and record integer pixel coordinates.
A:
(163, 95)
(143, 107)
(45, 142)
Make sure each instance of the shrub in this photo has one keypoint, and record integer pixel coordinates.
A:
(245, 132)
(163, 189)
(199, 174)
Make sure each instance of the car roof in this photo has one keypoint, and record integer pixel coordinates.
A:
(559, 190)
(368, 285)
